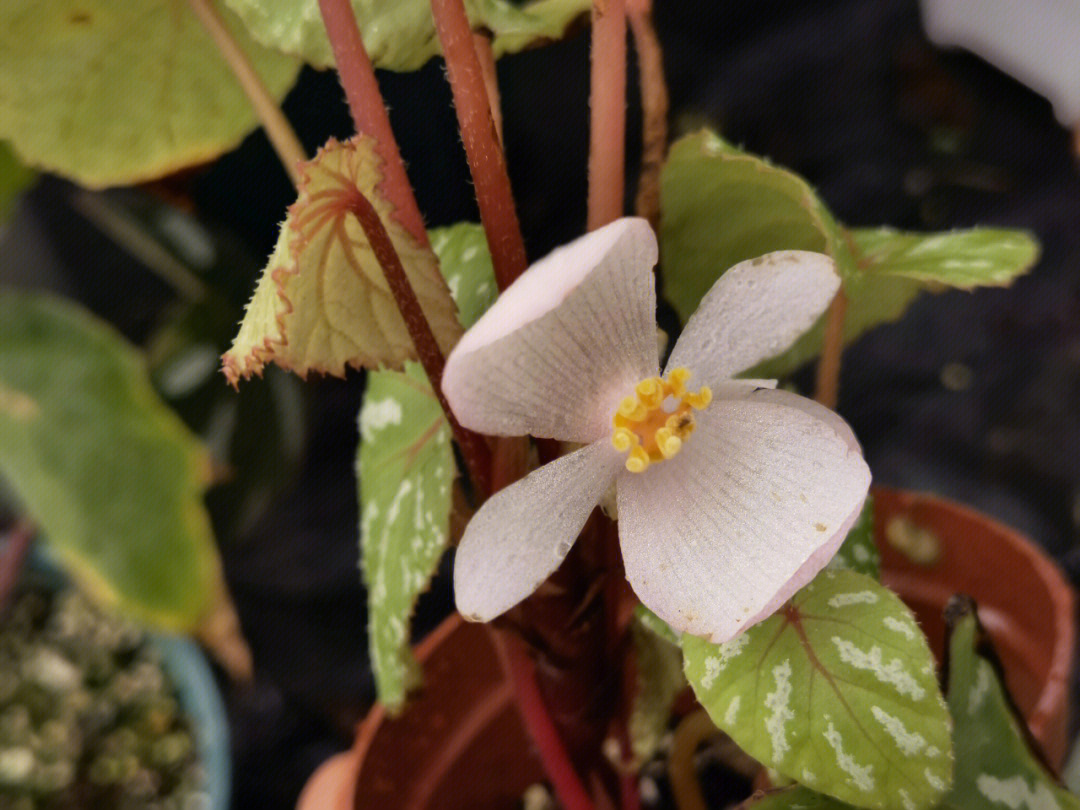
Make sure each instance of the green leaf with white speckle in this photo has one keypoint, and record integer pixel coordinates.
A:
(979, 257)
(722, 205)
(465, 262)
(859, 552)
(655, 624)
(836, 691)
(793, 798)
(660, 680)
(406, 471)
(994, 768)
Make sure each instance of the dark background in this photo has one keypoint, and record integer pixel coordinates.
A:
(974, 396)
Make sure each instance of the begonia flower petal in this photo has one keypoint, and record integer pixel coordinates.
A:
(522, 533)
(755, 311)
(712, 536)
(564, 343)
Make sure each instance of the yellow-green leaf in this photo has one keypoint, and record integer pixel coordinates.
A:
(110, 474)
(322, 303)
(14, 179)
(400, 34)
(111, 93)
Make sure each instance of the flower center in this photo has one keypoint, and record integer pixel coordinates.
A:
(653, 423)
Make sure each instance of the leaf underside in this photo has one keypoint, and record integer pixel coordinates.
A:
(322, 303)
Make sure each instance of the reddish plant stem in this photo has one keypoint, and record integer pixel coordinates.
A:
(828, 370)
(482, 43)
(19, 539)
(654, 108)
(607, 123)
(473, 447)
(521, 670)
(369, 112)
(478, 133)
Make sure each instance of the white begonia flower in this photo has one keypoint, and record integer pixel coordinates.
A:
(730, 498)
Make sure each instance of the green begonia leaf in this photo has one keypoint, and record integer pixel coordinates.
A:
(112, 476)
(111, 93)
(721, 205)
(400, 34)
(836, 691)
(655, 624)
(660, 679)
(859, 552)
(994, 768)
(406, 470)
(794, 798)
(980, 257)
(14, 179)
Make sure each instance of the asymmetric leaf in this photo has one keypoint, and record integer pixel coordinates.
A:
(323, 303)
(400, 34)
(113, 93)
(859, 552)
(836, 691)
(660, 679)
(721, 205)
(14, 178)
(994, 768)
(405, 469)
(112, 476)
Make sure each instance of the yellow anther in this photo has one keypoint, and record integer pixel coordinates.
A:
(623, 439)
(699, 400)
(632, 409)
(655, 422)
(638, 460)
(650, 391)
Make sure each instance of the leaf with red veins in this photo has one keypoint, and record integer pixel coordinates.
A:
(323, 303)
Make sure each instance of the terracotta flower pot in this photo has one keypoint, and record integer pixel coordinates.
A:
(461, 744)
(932, 548)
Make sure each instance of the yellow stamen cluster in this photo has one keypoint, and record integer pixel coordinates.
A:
(653, 423)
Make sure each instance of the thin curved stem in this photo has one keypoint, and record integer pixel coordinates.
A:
(278, 129)
(828, 370)
(473, 447)
(369, 112)
(482, 147)
(692, 730)
(607, 121)
(654, 108)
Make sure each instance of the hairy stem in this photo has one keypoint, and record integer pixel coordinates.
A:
(482, 43)
(654, 107)
(19, 539)
(486, 162)
(607, 123)
(828, 370)
(473, 447)
(369, 112)
(278, 130)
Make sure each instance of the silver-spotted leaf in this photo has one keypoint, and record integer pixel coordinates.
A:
(979, 257)
(400, 34)
(112, 93)
(660, 679)
(836, 691)
(465, 263)
(322, 303)
(721, 205)
(650, 621)
(994, 768)
(859, 552)
(113, 478)
(405, 468)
